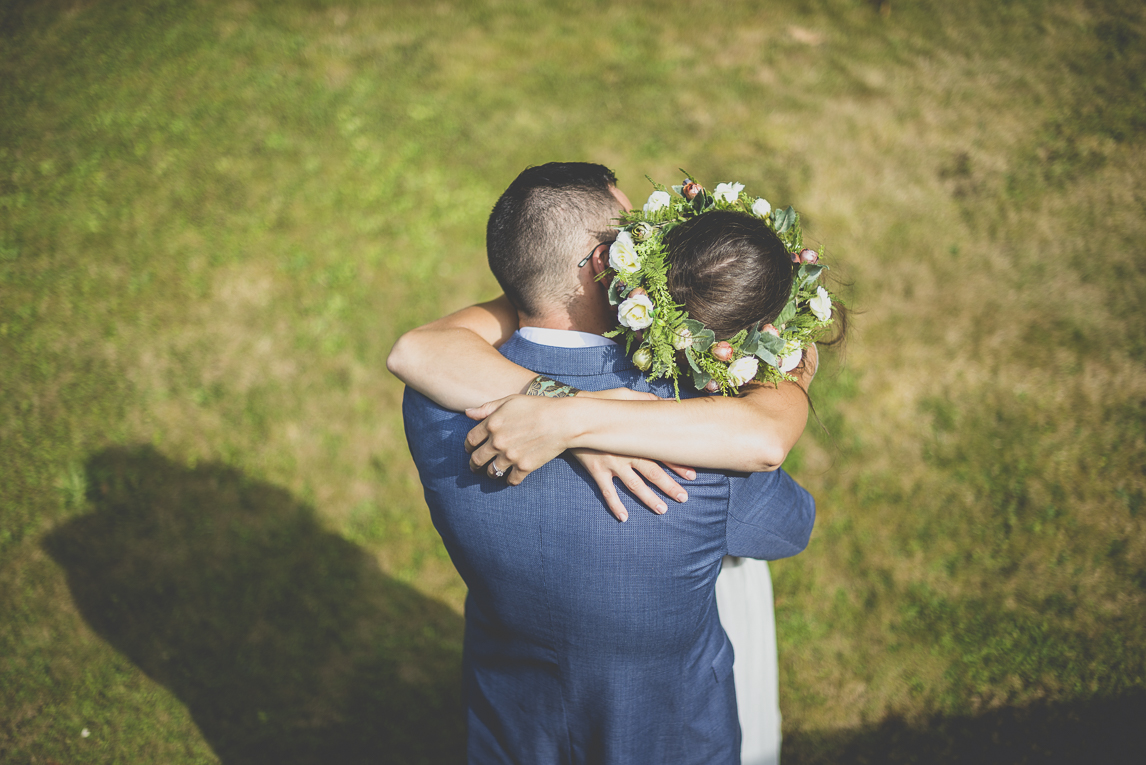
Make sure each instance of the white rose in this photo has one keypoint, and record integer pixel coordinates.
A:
(728, 192)
(742, 370)
(789, 362)
(682, 339)
(657, 200)
(821, 304)
(623, 256)
(761, 208)
(636, 312)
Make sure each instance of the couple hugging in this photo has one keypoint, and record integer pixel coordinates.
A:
(590, 640)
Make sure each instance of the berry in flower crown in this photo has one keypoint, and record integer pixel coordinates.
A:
(659, 333)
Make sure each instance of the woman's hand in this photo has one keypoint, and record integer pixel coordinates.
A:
(517, 434)
(604, 467)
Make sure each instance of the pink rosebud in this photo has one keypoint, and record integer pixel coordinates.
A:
(637, 292)
(770, 330)
(722, 351)
(795, 257)
(690, 189)
(809, 256)
(712, 386)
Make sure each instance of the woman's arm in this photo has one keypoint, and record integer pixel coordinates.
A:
(753, 432)
(454, 360)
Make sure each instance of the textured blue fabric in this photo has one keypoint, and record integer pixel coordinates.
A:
(589, 640)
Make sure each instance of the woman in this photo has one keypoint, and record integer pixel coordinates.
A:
(732, 273)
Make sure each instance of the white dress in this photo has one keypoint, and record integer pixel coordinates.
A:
(744, 599)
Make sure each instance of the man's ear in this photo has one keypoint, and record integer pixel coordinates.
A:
(600, 264)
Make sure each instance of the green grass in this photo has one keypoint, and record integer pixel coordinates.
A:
(216, 217)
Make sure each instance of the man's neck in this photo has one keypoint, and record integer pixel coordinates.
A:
(548, 322)
(576, 321)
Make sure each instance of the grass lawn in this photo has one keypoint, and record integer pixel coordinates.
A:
(216, 217)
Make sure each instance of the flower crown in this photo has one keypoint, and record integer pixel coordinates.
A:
(662, 330)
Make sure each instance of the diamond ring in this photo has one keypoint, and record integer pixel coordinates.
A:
(498, 473)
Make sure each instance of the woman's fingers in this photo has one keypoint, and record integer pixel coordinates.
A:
(639, 489)
(485, 456)
(604, 468)
(478, 435)
(482, 456)
(515, 474)
(486, 409)
(662, 480)
(684, 471)
(496, 465)
(609, 494)
(598, 466)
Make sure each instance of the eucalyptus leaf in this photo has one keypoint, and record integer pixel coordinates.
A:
(678, 189)
(692, 361)
(615, 292)
(787, 314)
(771, 343)
(783, 219)
(767, 356)
(703, 340)
(700, 379)
(751, 341)
(809, 273)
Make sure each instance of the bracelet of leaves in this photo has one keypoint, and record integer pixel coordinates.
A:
(550, 388)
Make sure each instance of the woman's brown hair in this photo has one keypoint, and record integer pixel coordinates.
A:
(729, 270)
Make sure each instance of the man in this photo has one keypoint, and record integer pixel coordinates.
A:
(588, 641)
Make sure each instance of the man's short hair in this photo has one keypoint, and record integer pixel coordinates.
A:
(541, 224)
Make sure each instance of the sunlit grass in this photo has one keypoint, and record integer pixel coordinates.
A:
(216, 217)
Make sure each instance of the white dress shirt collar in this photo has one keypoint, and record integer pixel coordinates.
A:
(563, 338)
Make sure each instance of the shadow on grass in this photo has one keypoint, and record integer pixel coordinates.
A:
(1111, 731)
(285, 641)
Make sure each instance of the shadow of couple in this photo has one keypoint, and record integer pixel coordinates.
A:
(286, 642)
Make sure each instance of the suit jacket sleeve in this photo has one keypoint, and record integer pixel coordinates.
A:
(770, 516)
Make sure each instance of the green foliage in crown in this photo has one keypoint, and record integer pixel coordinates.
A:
(660, 336)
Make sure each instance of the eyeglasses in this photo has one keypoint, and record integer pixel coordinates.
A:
(585, 259)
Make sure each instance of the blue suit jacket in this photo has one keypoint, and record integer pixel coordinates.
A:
(589, 640)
